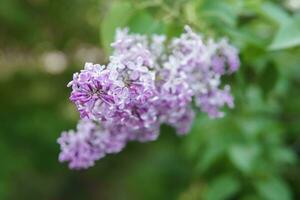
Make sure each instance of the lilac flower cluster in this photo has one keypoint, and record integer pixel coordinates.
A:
(147, 82)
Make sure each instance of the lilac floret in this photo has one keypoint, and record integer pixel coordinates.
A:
(204, 63)
(214, 100)
(93, 92)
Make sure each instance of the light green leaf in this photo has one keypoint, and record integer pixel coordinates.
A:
(144, 23)
(276, 13)
(283, 155)
(221, 188)
(244, 156)
(273, 189)
(190, 12)
(220, 11)
(244, 37)
(287, 36)
(117, 16)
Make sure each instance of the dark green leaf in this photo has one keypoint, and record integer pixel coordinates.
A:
(210, 155)
(269, 78)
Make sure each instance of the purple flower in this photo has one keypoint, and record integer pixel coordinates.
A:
(92, 92)
(147, 82)
(90, 142)
(214, 100)
(204, 63)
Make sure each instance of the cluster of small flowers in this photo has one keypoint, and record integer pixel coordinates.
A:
(147, 82)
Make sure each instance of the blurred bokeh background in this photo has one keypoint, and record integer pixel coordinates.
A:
(251, 154)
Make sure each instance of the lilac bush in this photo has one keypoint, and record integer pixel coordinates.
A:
(147, 82)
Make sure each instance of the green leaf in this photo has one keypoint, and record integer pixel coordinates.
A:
(287, 36)
(219, 12)
(190, 12)
(269, 78)
(251, 197)
(244, 156)
(14, 13)
(221, 188)
(117, 16)
(244, 37)
(144, 23)
(210, 155)
(276, 13)
(284, 155)
(273, 189)
(174, 29)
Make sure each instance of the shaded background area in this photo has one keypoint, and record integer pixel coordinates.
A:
(253, 153)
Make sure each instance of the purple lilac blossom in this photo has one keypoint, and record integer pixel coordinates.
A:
(90, 142)
(204, 63)
(147, 82)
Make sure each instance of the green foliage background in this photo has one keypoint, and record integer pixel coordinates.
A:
(251, 154)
